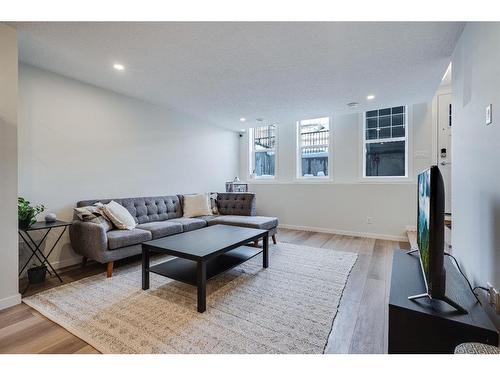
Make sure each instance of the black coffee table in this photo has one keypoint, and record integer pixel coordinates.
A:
(203, 254)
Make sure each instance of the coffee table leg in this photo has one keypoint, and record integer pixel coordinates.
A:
(145, 268)
(265, 251)
(202, 285)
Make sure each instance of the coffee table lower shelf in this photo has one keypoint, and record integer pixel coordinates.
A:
(185, 270)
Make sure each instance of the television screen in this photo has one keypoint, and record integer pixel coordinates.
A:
(423, 223)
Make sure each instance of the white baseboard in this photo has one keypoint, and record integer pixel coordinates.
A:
(58, 264)
(345, 232)
(10, 301)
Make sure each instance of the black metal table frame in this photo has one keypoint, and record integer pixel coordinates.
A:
(201, 265)
(36, 251)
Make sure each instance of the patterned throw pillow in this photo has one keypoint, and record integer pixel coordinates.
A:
(94, 214)
(119, 215)
(213, 204)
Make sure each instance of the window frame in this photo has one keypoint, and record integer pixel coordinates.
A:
(252, 153)
(365, 141)
(298, 153)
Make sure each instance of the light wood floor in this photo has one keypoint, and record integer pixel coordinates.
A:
(359, 327)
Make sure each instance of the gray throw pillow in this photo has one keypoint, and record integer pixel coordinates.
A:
(213, 204)
(94, 214)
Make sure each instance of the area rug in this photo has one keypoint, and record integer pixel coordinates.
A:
(286, 308)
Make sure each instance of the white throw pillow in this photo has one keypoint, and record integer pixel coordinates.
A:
(196, 205)
(119, 215)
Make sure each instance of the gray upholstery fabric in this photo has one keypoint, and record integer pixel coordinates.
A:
(88, 239)
(158, 217)
(208, 218)
(121, 253)
(236, 203)
(146, 209)
(122, 238)
(258, 222)
(476, 348)
(190, 223)
(161, 228)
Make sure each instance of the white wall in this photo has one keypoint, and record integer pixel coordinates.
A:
(476, 155)
(343, 205)
(78, 141)
(8, 168)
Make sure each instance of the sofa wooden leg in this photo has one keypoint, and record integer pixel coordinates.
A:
(109, 271)
(256, 243)
(275, 241)
(84, 262)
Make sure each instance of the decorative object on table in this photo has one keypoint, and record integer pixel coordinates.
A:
(236, 186)
(26, 213)
(36, 275)
(36, 251)
(50, 217)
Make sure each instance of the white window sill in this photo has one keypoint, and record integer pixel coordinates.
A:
(313, 180)
(386, 180)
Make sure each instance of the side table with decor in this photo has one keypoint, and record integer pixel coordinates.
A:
(27, 223)
(236, 187)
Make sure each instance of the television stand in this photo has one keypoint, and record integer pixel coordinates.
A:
(428, 325)
(449, 301)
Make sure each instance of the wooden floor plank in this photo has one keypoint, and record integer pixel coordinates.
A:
(359, 326)
(368, 336)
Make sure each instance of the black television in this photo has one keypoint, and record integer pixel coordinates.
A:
(430, 235)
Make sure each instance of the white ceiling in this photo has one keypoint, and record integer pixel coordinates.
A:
(220, 72)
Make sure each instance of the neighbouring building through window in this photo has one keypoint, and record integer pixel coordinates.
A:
(263, 149)
(313, 147)
(385, 142)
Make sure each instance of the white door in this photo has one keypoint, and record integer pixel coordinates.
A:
(444, 145)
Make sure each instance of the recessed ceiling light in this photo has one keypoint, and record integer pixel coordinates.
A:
(370, 97)
(352, 104)
(118, 67)
(243, 119)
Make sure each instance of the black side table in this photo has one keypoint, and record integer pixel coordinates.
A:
(35, 247)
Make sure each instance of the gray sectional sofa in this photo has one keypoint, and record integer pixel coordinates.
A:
(158, 217)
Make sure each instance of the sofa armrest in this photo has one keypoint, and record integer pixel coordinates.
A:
(236, 204)
(88, 239)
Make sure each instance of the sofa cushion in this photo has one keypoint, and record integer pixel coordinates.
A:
(207, 218)
(196, 205)
(146, 209)
(236, 203)
(119, 215)
(161, 228)
(258, 222)
(121, 238)
(190, 223)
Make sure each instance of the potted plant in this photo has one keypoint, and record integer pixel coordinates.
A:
(27, 213)
(37, 274)
(26, 218)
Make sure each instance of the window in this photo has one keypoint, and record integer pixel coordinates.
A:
(263, 151)
(385, 143)
(313, 148)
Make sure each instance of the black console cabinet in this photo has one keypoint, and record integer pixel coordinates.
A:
(431, 326)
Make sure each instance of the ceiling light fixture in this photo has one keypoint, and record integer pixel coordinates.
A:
(118, 67)
(370, 97)
(242, 119)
